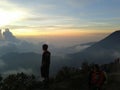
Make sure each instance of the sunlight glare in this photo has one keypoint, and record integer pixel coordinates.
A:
(7, 17)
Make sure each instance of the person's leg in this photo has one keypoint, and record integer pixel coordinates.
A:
(46, 81)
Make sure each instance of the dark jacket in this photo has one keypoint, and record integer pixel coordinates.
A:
(45, 64)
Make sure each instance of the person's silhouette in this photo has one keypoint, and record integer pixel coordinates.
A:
(97, 78)
(45, 64)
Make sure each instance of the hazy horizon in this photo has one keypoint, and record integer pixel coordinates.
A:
(66, 41)
(63, 39)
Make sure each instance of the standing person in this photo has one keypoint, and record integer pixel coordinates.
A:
(96, 78)
(45, 64)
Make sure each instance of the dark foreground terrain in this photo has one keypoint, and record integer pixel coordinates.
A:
(67, 78)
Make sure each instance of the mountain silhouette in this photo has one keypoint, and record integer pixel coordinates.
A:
(103, 51)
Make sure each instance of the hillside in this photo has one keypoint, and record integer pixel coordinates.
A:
(103, 51)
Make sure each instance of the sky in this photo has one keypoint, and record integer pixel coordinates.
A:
(60, 18)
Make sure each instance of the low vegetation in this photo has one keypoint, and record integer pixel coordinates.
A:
(68, 78)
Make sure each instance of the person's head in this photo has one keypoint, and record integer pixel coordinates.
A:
(45, 47)
(97, 67)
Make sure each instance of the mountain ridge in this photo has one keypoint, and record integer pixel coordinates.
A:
(100, 52)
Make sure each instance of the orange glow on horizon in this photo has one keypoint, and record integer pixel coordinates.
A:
(62, 33)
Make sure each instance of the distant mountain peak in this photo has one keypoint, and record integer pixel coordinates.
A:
(114, 36)
(116, 32)
(104, 51)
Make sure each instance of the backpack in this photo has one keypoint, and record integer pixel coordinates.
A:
(98, 78)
